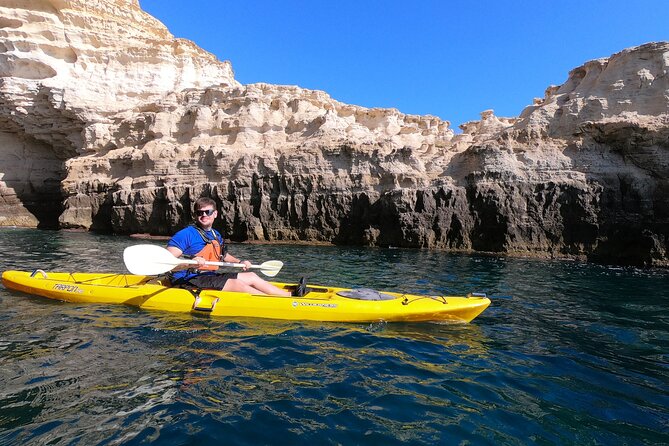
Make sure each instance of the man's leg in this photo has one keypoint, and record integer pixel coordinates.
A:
(252, 280)
(239, 286)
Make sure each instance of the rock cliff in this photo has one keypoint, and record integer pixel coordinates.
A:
(109, 123)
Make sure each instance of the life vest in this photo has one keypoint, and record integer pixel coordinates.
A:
(213, 250)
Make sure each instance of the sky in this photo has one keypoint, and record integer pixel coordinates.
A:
(451, 59)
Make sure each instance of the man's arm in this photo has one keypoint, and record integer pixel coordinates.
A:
(230, 258)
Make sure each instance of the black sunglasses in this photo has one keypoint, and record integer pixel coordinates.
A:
(206, 212)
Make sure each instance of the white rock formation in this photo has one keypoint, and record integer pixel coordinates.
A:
(108, 122)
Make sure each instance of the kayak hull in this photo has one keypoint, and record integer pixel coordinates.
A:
(320, 304)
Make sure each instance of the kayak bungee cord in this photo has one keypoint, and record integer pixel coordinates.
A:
(406, 301)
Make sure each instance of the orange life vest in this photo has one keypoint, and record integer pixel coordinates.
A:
(212, 251)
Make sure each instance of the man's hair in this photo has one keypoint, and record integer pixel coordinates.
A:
(204, 201)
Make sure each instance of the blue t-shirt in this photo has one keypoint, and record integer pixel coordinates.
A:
(190, 242)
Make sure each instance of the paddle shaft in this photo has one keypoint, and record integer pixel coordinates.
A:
(230, 264)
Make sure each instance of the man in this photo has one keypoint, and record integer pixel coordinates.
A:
(203, 243)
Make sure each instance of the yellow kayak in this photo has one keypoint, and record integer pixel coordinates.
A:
(319, 304)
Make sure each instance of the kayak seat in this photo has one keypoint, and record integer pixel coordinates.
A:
(365, 294)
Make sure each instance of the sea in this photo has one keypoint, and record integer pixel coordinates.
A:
(568, 353)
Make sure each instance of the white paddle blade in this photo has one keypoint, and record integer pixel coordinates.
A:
(271, 268)
(149, 260)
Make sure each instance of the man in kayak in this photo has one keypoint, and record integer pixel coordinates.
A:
(203, 243)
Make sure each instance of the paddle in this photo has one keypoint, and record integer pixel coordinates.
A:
(149, 260)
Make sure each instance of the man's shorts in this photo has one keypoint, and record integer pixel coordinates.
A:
(210, 281)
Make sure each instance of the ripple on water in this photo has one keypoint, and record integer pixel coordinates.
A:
(567, 353)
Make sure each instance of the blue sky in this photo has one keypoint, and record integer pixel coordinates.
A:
(451, 59)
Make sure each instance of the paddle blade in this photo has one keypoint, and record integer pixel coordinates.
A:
(149, 260)
(271, 268)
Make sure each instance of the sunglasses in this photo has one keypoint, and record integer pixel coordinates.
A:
(207, 212)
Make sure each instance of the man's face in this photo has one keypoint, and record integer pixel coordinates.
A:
(206, 214)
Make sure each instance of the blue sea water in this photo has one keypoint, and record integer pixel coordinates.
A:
(568, 353)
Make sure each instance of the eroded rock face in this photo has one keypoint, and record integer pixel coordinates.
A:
(109, 123)
(68, 69)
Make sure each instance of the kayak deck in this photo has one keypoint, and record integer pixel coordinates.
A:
(319, 304)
